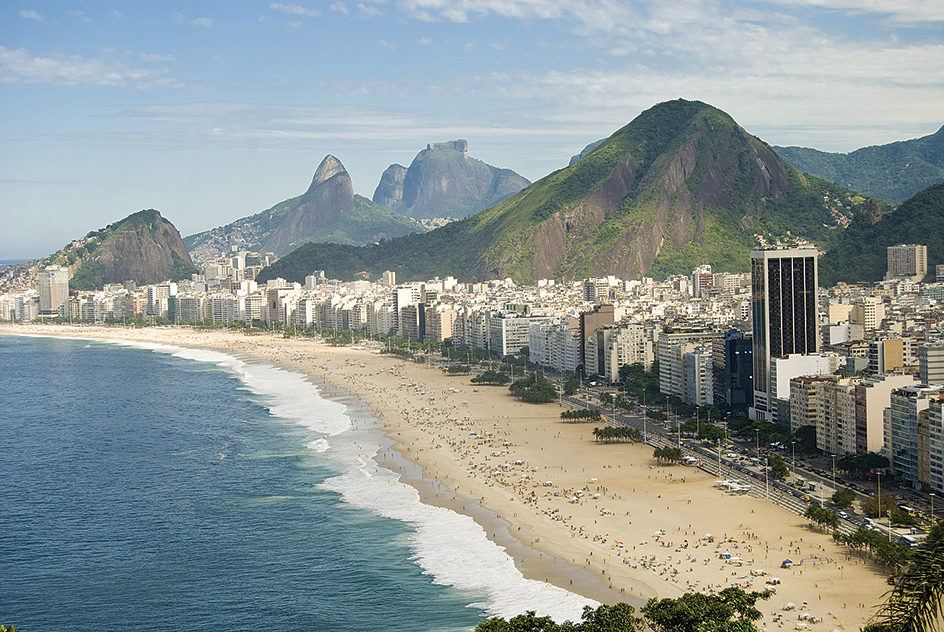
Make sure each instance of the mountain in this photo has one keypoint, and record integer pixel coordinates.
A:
(861, 256)
(892, 172)
(143, 247)
(329, 211)
(679, 186)
(443, 181)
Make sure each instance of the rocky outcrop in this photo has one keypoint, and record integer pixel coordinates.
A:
(331, 194)
(389, 192)
(443, 181)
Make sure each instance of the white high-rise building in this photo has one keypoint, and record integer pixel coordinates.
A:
(53, 289)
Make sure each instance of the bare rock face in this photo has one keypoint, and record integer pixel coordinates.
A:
(389, 192)
(331, 194)
(328, 168)
(443, 181)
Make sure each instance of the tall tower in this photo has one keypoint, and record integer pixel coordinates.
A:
(783, 303)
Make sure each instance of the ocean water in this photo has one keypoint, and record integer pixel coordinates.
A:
(153, 487)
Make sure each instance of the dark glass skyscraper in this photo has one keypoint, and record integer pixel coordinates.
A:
(783, 306)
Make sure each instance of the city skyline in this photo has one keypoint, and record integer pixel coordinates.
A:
(216, 113)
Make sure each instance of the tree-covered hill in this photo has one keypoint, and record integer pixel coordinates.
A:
(143, 247)
(861, 256)
(892, 172)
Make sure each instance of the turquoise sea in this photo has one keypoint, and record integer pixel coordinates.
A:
(148, 487)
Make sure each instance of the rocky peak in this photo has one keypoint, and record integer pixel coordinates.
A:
(389, 192)
(328, 168)
(444, 181)
(461, 146)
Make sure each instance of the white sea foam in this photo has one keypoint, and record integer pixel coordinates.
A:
(450, 547)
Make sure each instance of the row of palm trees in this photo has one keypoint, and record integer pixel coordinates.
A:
(580, 415)
(668, 455)
(610, 434)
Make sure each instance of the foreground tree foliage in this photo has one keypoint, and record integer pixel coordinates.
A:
(616, 618)
(916, 604)
(731, 610)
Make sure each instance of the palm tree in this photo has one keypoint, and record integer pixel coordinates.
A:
(916, 603)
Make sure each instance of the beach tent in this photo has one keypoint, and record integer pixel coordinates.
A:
(786, 563)
(789, 606)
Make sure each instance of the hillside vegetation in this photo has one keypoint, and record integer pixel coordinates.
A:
(144, 248)
(892, 172)
(861, 256)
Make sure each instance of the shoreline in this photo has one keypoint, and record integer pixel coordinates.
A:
(458, 446)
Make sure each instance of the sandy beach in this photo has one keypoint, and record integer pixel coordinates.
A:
(603, 520)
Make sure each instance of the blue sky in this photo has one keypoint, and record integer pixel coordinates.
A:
(211, 111)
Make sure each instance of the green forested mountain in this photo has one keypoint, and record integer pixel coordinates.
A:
(328, 211)
(861, 255)
(892, 172)
(679, 186)
(143, 247)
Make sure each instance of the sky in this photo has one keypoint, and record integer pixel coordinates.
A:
(211, 111)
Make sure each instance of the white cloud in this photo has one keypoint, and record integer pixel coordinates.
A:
(294, 9)
(293, 24)
(204, 22)
(900, 12)
(19, 66)
(156, 57)
(386, 44)
(424, 41)
(29, 14)
(339, 7)
(368, 11)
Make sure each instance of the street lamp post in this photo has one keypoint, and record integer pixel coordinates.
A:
(932, 509)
